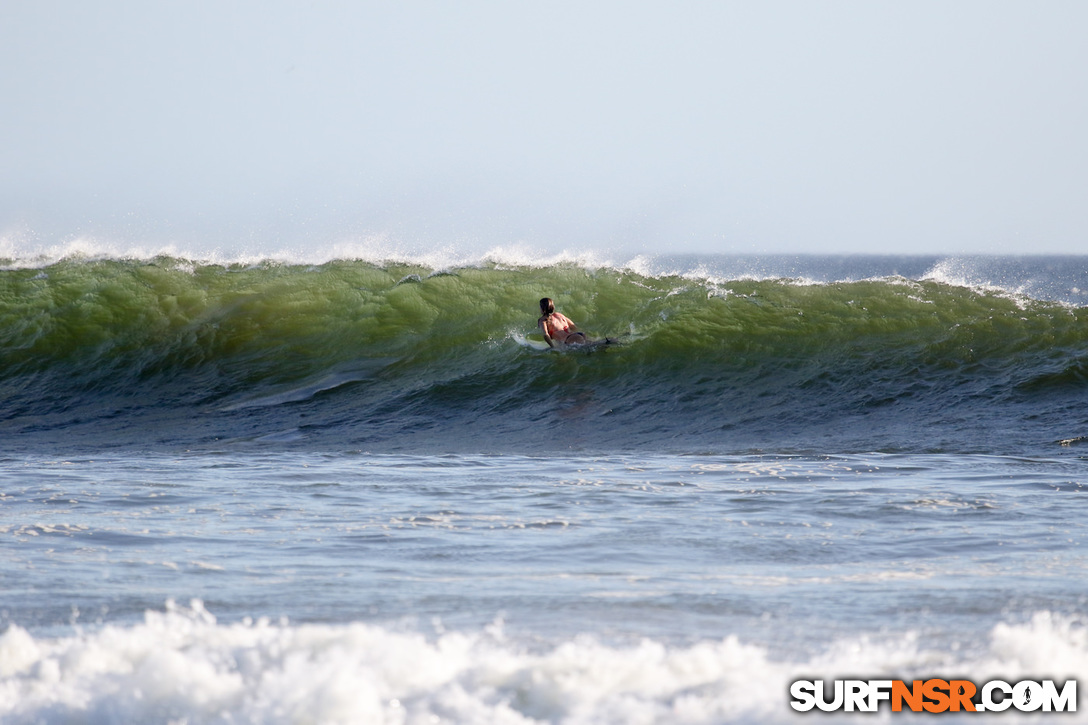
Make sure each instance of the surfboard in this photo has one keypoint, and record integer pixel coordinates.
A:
(596, 343)
(591, 345)
(541, 346)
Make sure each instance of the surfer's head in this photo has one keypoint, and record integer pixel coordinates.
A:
(547, 306)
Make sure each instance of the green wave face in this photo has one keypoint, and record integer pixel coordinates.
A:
(171, 333)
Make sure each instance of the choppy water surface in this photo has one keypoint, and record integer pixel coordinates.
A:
(792, 562)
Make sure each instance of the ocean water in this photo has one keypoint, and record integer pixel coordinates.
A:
(360, 489)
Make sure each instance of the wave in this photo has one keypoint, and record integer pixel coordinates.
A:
(376, 354)
(182, 665)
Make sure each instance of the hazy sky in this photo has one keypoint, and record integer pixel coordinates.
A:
(660, 126)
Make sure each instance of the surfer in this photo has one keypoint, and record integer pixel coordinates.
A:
(557, 327)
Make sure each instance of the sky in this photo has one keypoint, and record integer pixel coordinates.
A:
(713, 127)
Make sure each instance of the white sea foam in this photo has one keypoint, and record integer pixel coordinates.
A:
(182, 666)
(995, 276)
(24, 251)
(960, 272)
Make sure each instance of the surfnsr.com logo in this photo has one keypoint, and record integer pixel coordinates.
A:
(934, 695)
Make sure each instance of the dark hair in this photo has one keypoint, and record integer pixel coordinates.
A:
(547, 306)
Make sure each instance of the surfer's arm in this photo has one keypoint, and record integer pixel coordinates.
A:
(544, 328)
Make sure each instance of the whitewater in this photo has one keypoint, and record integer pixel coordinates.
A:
(355, 485)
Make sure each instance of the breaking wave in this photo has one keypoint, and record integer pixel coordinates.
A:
(172, 351)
